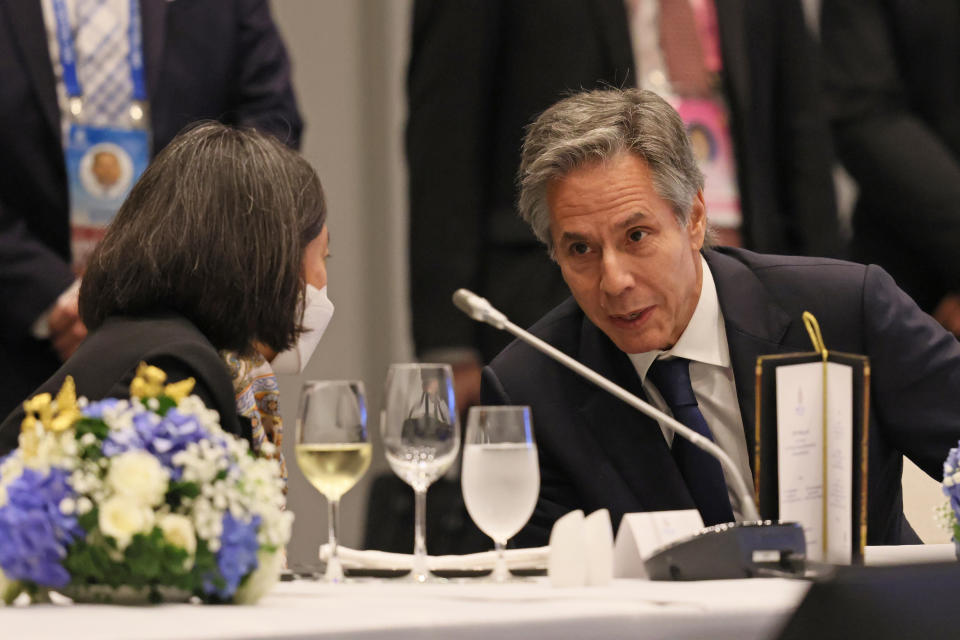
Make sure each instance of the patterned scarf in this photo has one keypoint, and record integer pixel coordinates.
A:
(258, 399)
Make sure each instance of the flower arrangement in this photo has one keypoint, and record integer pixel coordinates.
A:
(951, 488)
(146, 496)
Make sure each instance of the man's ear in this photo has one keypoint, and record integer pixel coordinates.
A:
(697, 222)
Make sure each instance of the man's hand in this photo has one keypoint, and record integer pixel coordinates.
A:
(67, 331)
(947, 313)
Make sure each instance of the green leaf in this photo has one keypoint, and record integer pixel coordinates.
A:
(95, 426)
(10, 594)
(166, 403)
(88, 521)
(178, 490)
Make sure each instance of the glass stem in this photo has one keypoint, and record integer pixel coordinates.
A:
(500, 573)
(334, 570)
(420, 535)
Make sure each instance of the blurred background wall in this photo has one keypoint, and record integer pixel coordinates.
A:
(349, 62)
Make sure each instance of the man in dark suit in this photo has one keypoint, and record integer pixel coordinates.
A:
(203, 60)
(609, 184)
(893, 88)
(481, 70)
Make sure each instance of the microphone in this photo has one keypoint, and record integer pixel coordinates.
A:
(780, 558)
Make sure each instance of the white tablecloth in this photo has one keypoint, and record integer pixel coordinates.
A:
(739, 609)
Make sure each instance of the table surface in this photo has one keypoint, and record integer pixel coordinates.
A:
(744, 609)
(304, 609)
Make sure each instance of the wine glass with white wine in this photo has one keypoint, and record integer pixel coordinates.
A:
(500, 478)
(421, 437)
(333, 448)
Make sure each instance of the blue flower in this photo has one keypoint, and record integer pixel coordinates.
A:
(950, 467)
(163, 437)
(237, 555)
(34, 534)
(95, 410)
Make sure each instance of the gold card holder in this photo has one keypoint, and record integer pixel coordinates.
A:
(810, 456)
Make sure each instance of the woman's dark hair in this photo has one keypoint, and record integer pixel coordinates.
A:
(215, 230)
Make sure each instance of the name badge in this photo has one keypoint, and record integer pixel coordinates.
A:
(709, 133)
(102, 165)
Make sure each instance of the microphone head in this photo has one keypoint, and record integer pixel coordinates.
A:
(468, 302)
(478, 308)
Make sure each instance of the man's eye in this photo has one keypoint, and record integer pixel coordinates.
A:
(579, 248)
(636, 235)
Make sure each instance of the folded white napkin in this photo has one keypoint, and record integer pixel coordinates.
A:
(581, 550)
(533, 558)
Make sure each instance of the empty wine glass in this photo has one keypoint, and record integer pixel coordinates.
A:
(421, 437)
(500, 477)
(333, 449)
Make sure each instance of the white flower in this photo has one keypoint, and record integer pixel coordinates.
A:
(68, 506)
(261, 580)
(138, 475)
(10, 470)
(121, 517)
(84, 504)
(178, 531)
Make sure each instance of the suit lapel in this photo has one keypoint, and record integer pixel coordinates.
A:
(755, 325)
(732, 21)
(154, 26)
(30, 33)
(614, 29)
(632, 442)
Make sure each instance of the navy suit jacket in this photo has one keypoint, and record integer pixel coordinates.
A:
(595, 451)
(204, 59)
(893, 90)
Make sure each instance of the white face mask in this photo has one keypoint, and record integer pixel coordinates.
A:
(317, 312)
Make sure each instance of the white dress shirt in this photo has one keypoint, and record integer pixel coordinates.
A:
(704, 344)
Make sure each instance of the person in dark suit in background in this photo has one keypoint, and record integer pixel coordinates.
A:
(481, 70)
(893, 87)
(204, 59)
(208, 263)
(610, 185)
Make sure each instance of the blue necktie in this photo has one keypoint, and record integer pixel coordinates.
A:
(701, 471)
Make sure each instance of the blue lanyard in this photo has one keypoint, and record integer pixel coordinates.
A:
(68, 56)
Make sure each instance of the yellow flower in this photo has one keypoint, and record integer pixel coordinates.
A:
(179, 390)
(148, 383)
(44, 413)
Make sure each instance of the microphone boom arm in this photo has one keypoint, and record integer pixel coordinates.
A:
(471, 304)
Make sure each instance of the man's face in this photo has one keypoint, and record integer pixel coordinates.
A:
(106, 169)
(631, 267)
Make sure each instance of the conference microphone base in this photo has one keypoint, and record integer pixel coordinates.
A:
(728, 551)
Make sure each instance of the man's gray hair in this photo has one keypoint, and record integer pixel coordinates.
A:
(594, 126)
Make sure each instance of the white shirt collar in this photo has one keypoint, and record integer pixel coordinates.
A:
(704, 339)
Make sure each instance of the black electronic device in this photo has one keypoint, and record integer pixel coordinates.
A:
(731, 551)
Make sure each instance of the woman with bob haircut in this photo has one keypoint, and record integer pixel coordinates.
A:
(214, 264)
